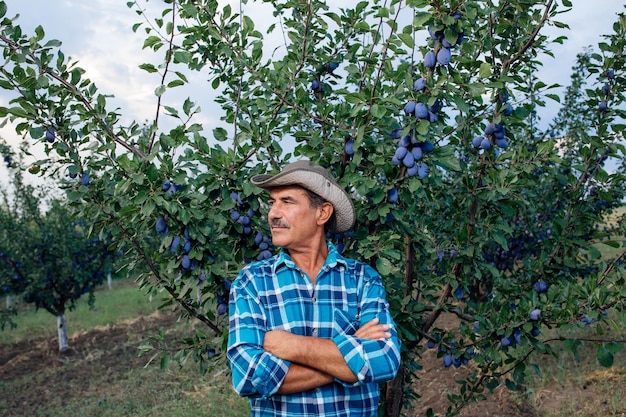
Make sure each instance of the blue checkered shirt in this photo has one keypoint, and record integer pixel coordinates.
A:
(274, 294)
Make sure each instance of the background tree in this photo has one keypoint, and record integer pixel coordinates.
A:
(426, 111)
(17, 204)
(46, 255)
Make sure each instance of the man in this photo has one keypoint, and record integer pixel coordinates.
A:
(310, 331)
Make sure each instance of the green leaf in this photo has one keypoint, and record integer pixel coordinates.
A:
(422, 128)
(445, 157)
(377, 111)
(354, 98)
(554, 97)
(175, 83)
(407, 39)
(612, 243)
(6, 85)
(159, 90)
(147, 208)
(485, 70)
(476, 89)
(36, 132)
(148, 68)
(219, 133)
(382, 12)
(383, 266)
(165, 361)
(39, 32)
(363, 26)
(421, 18)
(604, 356)
(17, 111)
(501, 240)
(460, 103)
(182, 57)
(43, 81)
(172, 111)
(151, 42)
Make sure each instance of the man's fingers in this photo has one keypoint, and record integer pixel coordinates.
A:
(374, 331)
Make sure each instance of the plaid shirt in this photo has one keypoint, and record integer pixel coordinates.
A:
(275, 294)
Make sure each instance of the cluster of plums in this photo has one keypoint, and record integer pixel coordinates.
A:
(441, 52)
(495, 133)
(606, 91)
(244, 216)
(409, 153)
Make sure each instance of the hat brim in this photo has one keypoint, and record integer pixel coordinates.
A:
(316, 179)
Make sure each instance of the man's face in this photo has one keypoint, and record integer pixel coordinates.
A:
(292, 220)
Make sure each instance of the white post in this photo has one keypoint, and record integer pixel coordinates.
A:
(109, 280)
(199, 293)
(9, 301)
(62, 330)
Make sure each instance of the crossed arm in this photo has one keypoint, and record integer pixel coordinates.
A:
(316, 361)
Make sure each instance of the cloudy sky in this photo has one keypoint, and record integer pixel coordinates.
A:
(98, 34)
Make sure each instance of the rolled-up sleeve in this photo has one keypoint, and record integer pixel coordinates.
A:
(255, 373)
(371, 360)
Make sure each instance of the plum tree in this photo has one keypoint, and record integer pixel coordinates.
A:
(494, 221)
(47, 258)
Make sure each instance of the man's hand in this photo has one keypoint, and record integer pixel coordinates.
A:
(280, 343)
(374, 331)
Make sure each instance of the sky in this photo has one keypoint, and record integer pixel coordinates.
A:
(98, 34)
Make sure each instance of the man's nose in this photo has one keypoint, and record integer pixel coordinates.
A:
(274, 212)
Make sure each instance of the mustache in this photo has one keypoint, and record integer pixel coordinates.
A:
(279, 223)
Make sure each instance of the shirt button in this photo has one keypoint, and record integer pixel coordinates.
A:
(314, 299)
(315, 331)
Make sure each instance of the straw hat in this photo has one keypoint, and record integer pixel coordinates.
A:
(318, 180)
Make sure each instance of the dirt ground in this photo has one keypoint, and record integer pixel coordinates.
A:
(113, 349)
(435, 381)
(102, 351)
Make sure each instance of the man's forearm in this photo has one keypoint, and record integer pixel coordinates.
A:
(301, 378)
(311, 352)
(318, 354)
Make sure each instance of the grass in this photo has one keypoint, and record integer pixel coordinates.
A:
(151, 392)
(609, 252)
(125, 302)
(578, 385)
(104, 375)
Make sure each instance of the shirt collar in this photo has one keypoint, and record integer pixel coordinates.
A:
(332, 260)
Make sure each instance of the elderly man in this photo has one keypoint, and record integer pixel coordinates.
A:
(310, 331)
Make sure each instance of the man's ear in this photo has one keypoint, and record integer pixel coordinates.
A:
(324, 212)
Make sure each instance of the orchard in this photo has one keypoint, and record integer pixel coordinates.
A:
(427, 112)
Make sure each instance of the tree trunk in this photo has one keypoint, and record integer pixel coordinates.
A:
(393, 395)
(199, 293)
(62, 330)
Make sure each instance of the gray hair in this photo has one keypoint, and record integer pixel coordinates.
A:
(315, 201)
